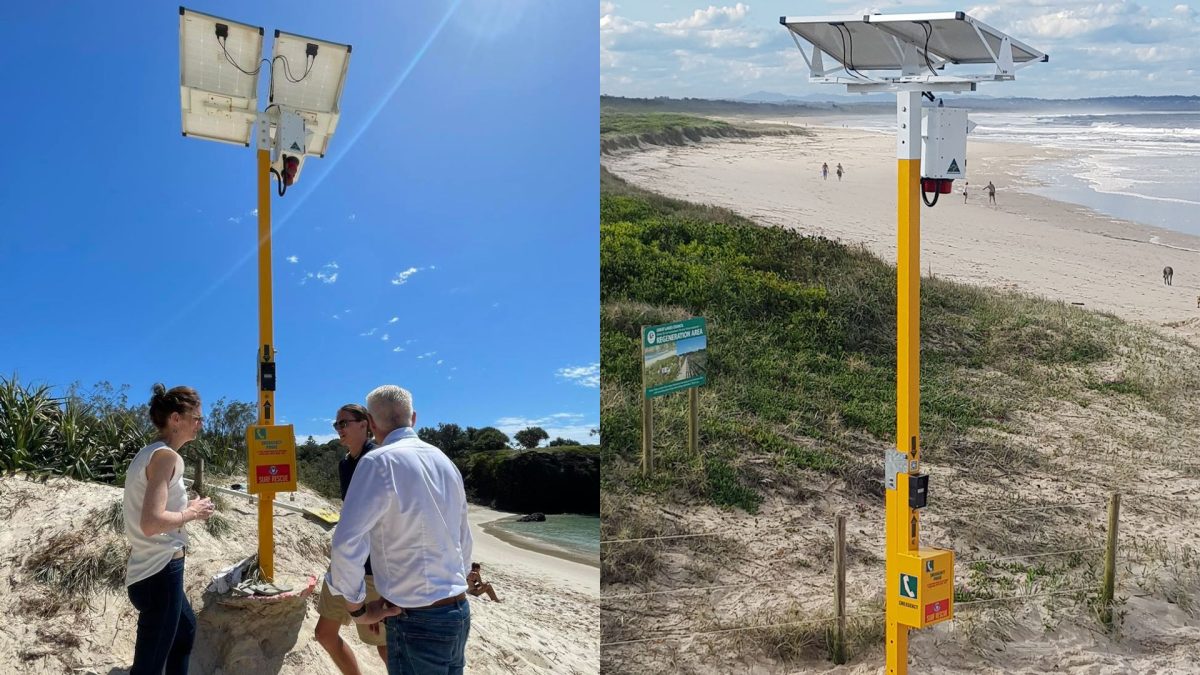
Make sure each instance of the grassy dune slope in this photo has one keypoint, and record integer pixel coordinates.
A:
(1023, 401)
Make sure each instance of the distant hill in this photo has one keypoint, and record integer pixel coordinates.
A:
(777, 104)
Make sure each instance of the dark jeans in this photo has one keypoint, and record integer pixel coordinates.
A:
(166, 625)
(429, 641)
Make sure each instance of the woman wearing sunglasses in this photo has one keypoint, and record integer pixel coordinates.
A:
(354, 431)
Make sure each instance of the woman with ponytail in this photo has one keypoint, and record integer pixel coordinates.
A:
(156, 509)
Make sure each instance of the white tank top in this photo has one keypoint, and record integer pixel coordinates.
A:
(149, 555)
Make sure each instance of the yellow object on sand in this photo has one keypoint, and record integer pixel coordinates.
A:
(325, 515)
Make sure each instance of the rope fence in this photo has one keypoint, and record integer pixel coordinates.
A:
(879, 614)
(933, 514)
(1103, 590)
(808, 579)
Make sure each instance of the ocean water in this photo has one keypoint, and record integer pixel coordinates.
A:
(1139, 166)
(580, 534)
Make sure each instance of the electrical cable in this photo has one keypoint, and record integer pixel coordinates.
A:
(282, 188)
(928, 27)
(850, 36)
(847, 65)
(287, 70)
(925, 198)
(225, 50)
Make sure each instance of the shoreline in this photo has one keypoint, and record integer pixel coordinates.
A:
(493, 528)
(1027, 243)
(494, 550)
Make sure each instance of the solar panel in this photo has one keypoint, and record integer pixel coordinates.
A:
(914, 43)
(310, 85)
(217, 99)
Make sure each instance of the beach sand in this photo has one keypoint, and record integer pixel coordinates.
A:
(1026, 242)
(547, 622)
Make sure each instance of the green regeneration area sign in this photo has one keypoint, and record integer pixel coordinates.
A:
(673, 356)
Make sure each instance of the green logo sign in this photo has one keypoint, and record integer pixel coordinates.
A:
(673, 356)
(908, 586)
(260, 434)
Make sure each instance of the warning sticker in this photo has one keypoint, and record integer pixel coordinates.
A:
(937, 610)
(273, 473)
(953, 167)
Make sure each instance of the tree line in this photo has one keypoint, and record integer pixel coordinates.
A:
(93, 434)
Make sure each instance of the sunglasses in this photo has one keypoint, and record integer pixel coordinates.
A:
(342, 424)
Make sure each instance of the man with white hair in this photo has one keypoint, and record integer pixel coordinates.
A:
(407, 509)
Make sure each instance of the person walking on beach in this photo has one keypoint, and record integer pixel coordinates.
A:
(1167, 274)
(825, 170)
(354, 432)
(155, 509)
(965, 184)
(406, 509)
(839, 172)
(475, 584)
(991, 192)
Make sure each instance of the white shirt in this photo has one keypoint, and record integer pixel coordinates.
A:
(407, 509)
(149, 554)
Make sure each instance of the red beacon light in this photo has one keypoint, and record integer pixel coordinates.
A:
(939, 185)
(291, 165)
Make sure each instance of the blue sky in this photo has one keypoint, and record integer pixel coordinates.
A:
(726, 50)
(447, 243)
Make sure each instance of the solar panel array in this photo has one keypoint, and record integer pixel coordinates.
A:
(869, 42)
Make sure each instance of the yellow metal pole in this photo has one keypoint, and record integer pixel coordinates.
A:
(266, 354)
(902, 526)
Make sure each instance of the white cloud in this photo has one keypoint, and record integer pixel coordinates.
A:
(398, 349)
(394, 319)
(403, 277)
(385, 337)
(353, 217)
(440, 362)
(336, 316)
(426, 355)
(254, 212)
(293, 259)
(234, 219)
(726, 51)
(368, 333)
(328, 273)
(584, 376)
(708, 18)
(566, 425)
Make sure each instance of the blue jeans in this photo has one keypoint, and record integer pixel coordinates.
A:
(166, 625)
(429, 641)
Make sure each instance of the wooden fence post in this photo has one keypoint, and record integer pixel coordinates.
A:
(198, 484)
(647, 437)
(839, 564)
(1110, 560)
(693, 421)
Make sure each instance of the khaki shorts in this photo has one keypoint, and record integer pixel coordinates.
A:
(333, 607)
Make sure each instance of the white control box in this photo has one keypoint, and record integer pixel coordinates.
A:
(944, 143)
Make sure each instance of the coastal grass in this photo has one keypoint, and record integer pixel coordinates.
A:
(625, 124)
(801, 356)
(624, 130)
(71, 567)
